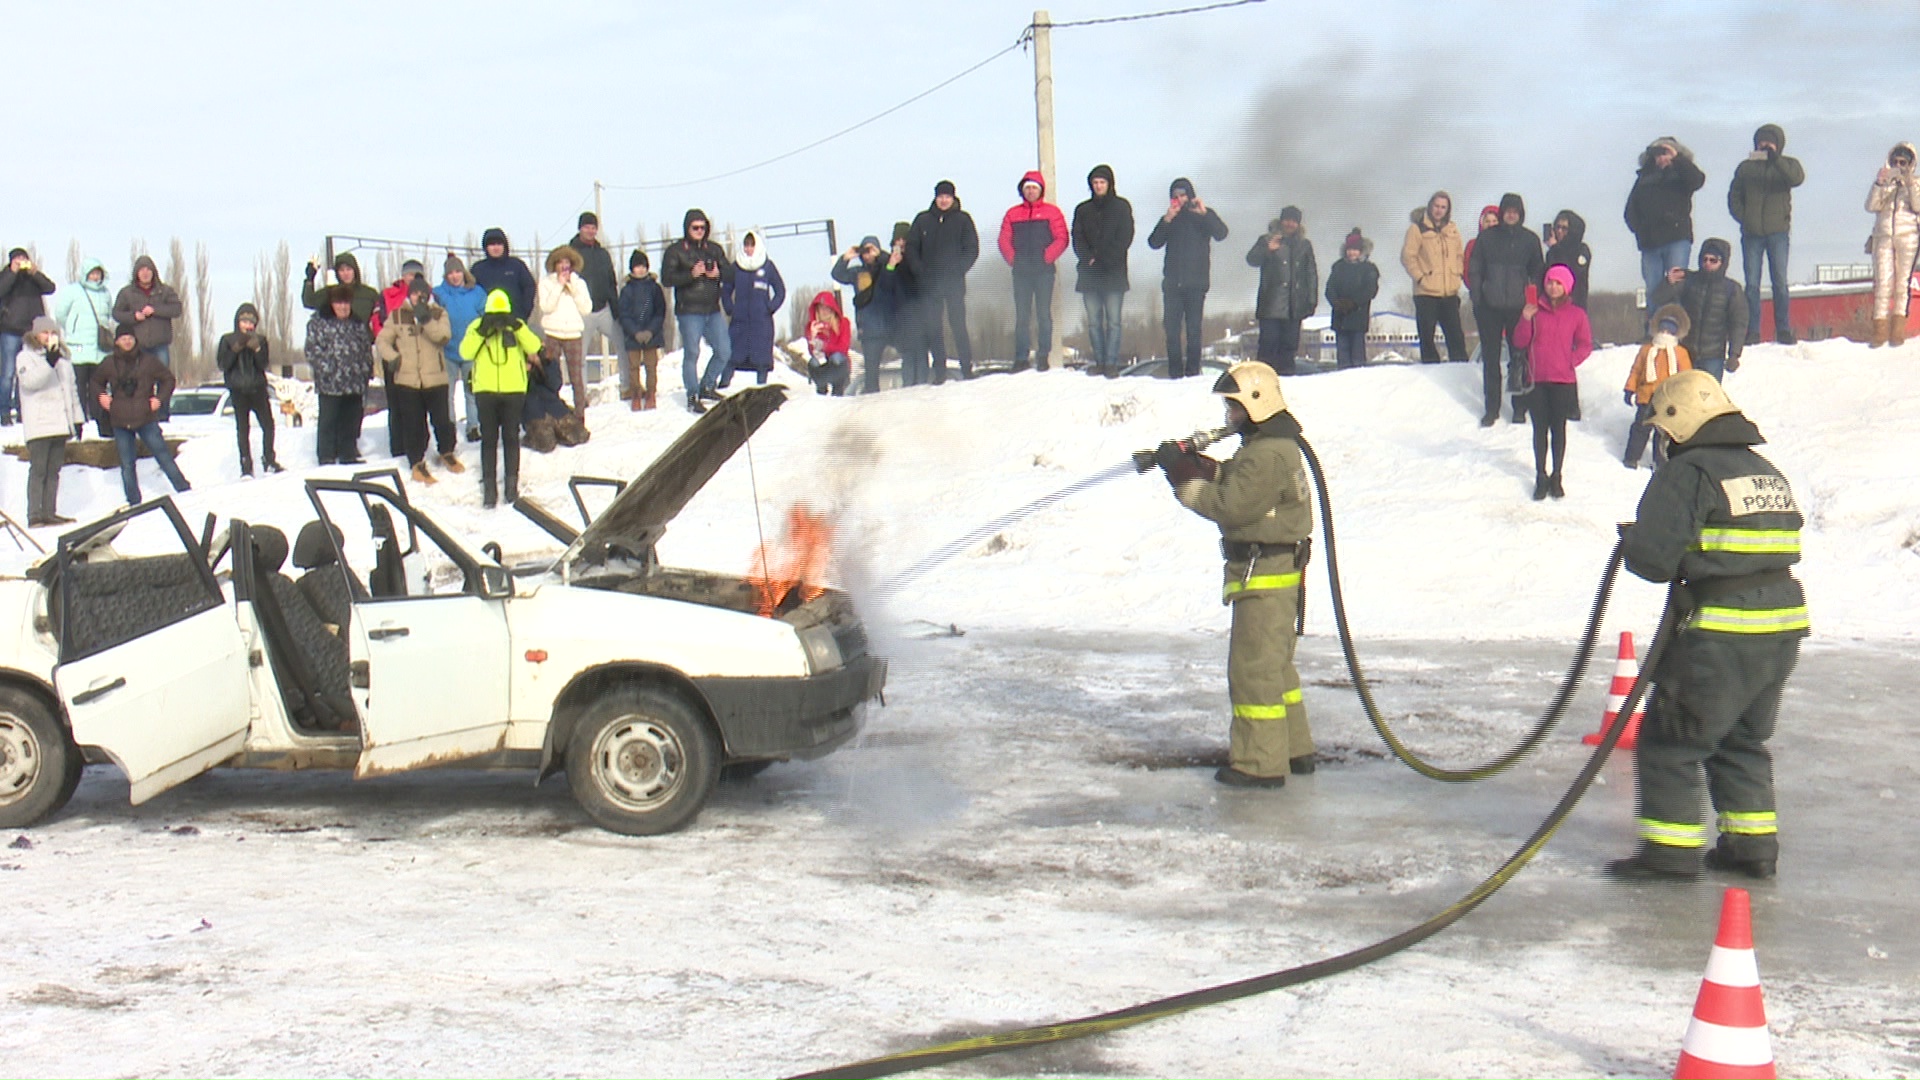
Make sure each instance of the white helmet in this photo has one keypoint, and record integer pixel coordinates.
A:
(1686, 401)
(1254, 385)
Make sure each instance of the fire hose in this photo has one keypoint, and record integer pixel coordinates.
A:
(1161, 1008)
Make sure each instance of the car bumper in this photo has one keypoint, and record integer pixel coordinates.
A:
(789, 717)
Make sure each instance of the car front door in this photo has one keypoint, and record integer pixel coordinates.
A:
(428, 633)
(153, 666)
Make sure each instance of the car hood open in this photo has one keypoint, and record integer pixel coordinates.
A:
(638, 516)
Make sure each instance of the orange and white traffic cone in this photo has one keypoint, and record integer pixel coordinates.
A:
(1625, 670)
(1728, 1034)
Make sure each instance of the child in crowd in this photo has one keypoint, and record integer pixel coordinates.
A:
(1557, 338)
(829, 338)
(242, 359)
(1659, 360)
(642, 308)
(50, 415)
(1351, 286)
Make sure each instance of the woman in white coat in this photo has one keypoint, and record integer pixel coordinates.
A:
(50, 414)
(563, 301)
(1894, 202)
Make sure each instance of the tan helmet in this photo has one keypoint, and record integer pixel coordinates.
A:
(1254, 385)
(1686, 401)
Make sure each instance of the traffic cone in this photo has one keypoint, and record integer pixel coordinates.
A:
(1728, 1034)
(1625, 670)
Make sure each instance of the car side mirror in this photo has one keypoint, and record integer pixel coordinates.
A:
(496, 583)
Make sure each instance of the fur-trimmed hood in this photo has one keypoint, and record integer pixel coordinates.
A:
(564, 251)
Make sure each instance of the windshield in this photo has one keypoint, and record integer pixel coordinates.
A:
(194, 403)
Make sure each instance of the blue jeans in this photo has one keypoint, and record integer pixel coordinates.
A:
(1715, 366)
(1773, 248)
(124, 440)
(1656, 261)
(462, 371)
(712, 327)
(9, 353)
(1103, 327)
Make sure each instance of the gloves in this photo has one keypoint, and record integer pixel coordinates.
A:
(1733, 364)
(313, 271)
(1628, 397)
(1191, 467)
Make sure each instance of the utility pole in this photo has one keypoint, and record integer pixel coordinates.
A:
(1043, 95)
(599, 201)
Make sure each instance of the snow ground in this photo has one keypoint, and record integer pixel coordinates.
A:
(1029, 830)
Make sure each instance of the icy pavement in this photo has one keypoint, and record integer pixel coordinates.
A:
(1029, 832)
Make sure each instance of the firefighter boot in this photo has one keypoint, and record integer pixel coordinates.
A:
(1744, 855)
(1657, 862)
(1881, 328)
(1301, 766)
(1233, 777)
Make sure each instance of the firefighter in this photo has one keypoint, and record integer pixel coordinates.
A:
(1260, 501)
(1721, 521)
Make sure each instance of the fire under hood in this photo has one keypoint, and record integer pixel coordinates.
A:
(637, 518)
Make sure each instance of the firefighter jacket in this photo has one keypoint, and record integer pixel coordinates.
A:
(1718, 517)
(1260, 497)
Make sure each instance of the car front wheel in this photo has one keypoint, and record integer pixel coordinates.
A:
(641, 761)
(39, 765)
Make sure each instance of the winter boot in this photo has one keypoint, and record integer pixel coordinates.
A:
(473, 434)
(272, 466)
(652, 402)
(636, 401)
(1727, 857)
(513, 487)
(246, 467)
(1490, 419)
(451, 463)
(1897, 331)
(1553, 487)
(694, 406)
(1881, 328)
(422, 476)
(1657, 862)
(1233, 777)
(1302, 765)
(1541, 486)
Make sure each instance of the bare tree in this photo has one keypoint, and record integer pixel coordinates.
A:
(273, 296)
(203, 311)
(135, 248)
(183, 349)
(73, 260)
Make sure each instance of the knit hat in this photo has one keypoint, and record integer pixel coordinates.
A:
(1560, 273)
(125, 329)
(16, 253)
(1180, 186)
(493, 236)
(638, 259)
(44, 324)
(944, 187)
(901, 229)
(1354, 242)
(588, 217)
(1290, 213)
(419, 287)
(452, 266)
(873, 240)
(412, 266)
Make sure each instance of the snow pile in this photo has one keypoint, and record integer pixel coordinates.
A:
(1438, 536)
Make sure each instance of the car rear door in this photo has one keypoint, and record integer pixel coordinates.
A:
(153, 666)
(428, 634)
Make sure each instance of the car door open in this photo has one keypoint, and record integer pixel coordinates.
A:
(428, 633)
(153, 667)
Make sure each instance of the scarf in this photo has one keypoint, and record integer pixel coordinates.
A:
(1663, 345)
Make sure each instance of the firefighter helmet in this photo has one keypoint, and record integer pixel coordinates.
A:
(1687, 400)
(1254, 385)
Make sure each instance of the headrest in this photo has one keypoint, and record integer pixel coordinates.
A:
(269, 548)
(313, 549)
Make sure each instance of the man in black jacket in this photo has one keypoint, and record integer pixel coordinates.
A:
(942, 246)
(242, 359)
(1289, 288)
(1102, 233)
(1716, 306)
(504, 271)
(1506, 260)
(22, 287)
(1660, 210)
(1187, 231)
(694, 268)
(603, 286)
(875, 278)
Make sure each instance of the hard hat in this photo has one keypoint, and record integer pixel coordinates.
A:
(1254, 385)
(1686, 401)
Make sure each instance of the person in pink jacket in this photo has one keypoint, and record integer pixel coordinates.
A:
(1558, 339)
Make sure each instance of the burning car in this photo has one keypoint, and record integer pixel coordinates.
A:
(398, 648)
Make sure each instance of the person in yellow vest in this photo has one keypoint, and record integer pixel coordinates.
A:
(1260, 501)
(1721, 521)
(499, 343)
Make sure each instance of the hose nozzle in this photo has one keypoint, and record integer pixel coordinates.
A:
(1192, 444)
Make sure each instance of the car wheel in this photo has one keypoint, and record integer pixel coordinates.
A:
(39, 765)
(743, 770)
(642, 761)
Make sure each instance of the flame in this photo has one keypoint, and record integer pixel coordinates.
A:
(798, 562)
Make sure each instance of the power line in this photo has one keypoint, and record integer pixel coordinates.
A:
(1150, 15)
(1026, 35)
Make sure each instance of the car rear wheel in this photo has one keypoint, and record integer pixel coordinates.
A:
(39, 765)
(642, 761)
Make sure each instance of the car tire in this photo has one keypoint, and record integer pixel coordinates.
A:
(39, 765)
(741, 771)
(642, 761)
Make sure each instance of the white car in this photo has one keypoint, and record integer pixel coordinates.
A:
(398, 648)
(200, 410)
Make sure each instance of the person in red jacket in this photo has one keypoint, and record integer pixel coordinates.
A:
(1032, 235)
(1489, 217)
(829, 338)
(1558, 339)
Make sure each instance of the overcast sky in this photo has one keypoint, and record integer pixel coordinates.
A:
(239, 125)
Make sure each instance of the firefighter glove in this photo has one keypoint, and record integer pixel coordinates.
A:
(1191, 467)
